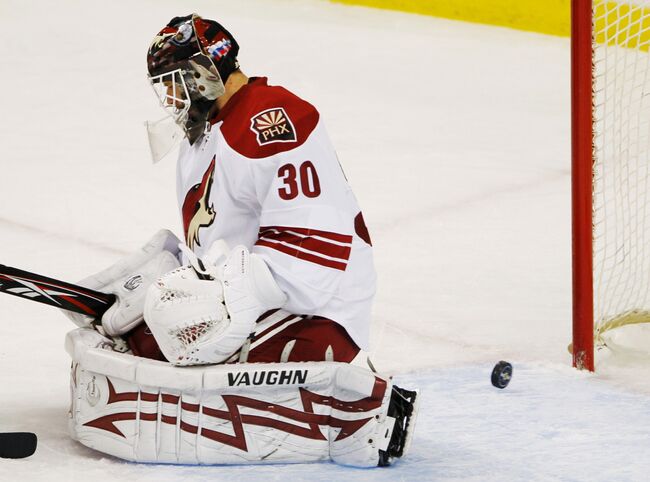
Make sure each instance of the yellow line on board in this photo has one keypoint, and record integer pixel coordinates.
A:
(545, 16)
(626, 24)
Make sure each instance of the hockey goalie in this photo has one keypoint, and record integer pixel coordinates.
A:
(244, 344)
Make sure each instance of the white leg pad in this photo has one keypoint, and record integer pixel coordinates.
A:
(148, 411)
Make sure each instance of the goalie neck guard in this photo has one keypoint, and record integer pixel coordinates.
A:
(189, 61)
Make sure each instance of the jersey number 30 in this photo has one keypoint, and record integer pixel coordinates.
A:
(306, 175)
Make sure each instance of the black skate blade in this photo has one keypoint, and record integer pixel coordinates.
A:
(410, 427)
(405, 416)
(17, 445)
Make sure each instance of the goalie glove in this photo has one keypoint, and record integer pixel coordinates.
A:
(203, 313)
(129, 279)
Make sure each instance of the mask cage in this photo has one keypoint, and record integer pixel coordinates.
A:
(172, 93)
(188, 92)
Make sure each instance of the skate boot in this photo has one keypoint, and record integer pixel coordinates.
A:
(403, 408)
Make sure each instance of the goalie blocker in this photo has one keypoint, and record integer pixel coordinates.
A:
(148, 411)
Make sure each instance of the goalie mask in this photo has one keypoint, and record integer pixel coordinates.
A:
(189, 62)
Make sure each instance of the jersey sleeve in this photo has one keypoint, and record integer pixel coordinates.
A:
(306, 222)
(307, 262)
(306, 210)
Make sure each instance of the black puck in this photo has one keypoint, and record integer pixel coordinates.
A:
(17, 445)
(501, 374)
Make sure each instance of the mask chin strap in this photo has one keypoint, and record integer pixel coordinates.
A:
(164, 135)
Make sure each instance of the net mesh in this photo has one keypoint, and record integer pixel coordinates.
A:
(621, 214)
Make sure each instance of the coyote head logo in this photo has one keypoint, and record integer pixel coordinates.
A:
(197, 210)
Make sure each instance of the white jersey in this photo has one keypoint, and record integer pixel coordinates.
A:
(266, 176)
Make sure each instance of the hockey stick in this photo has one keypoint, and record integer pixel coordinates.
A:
(50, 291)
(71, 297)
(17, 445)
(67, 296)
(35, 287)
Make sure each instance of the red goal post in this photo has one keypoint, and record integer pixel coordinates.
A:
(610, 83)
(581, 182)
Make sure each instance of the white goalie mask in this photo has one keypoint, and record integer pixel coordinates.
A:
(188, 62)
(187, 95)
(171, 91)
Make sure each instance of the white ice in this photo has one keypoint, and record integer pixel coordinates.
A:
(455, 138)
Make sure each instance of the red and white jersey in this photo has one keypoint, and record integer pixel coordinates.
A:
(266, 176)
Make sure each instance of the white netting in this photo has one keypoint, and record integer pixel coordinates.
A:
(622, 163)
(190, 335)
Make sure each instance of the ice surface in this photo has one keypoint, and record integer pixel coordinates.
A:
(455, 138)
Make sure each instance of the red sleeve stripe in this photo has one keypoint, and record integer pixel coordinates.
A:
(329, 263)
(316, 245)
(336, 237)
(274, 329)
(321, 247)
(273, 232)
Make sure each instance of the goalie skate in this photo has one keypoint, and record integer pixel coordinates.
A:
(403, 408)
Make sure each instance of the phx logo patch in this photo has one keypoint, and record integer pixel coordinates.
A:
(273, 125)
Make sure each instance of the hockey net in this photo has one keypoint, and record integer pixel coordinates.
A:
(617, 223)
